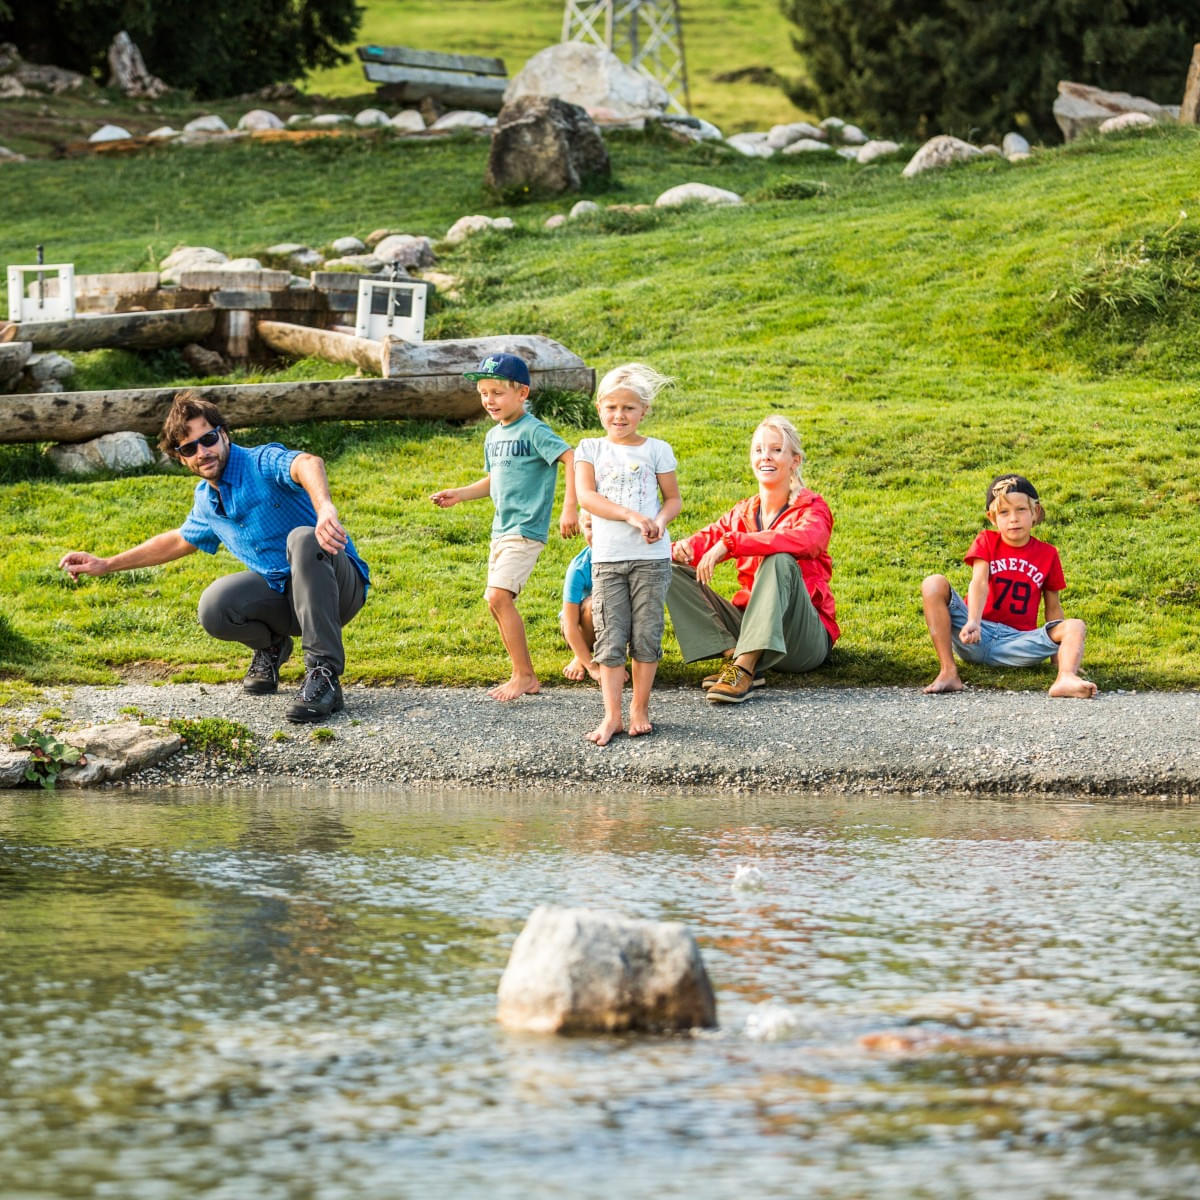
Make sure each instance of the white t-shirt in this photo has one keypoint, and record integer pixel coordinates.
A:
(628, 476)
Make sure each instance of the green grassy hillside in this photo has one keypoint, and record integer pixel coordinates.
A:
(923, 334)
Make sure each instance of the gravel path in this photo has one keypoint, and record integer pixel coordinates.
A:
(781, 740)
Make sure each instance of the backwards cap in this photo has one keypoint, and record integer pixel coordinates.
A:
(1002, 485)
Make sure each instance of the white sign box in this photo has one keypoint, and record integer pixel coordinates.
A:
(51, 292)
(391, 308)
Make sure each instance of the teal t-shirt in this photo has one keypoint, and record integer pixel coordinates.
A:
(522, 463)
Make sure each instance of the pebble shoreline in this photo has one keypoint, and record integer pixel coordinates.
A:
(783, 740)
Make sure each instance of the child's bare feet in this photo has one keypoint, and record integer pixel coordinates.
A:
(639, 722)
(518, 685)
(603, 732)
(1073, 686)
(946, 681)
(575, 670)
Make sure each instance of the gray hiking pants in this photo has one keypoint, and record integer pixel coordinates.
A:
(324, 592)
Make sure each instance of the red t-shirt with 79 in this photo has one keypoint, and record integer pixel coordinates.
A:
(1017, 576)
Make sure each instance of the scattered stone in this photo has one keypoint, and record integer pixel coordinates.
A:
(377, 235)
(851, 135)
(348, 245)
(991, 150)
(409, 121)
(370, 117)
(242, 264)
(42, 367)
(1014, 143)
(20, 78)
(211, 123)
(203, 361)
(752, 145)
(110, 452)
(10, 156)
(406, 250)
(873, 150)
(329, 120)
(1129, 120)
(545, 146)
(463, 119)
(686, 193)
(110, 133)
(366, 264)
(114, 751)
(592, 77)
(129, 70)
(781, 136)
(578, 970)
(189, 258)
(13, 357)
(693, 128)
(833, 125)
(849, 153)
(941, 151)
(259, 119)
(447, 285)
(1079, 109)
(556, 221)
(163, 133)
(464, 227)
(298, 119)
(12, 767)
(582, 208)
(807, 145)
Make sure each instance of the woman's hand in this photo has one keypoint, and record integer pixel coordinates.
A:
(715, 554)
(681, 552)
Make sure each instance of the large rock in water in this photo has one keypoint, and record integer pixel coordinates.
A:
(592, 77)
(578, 970)
(542, 145)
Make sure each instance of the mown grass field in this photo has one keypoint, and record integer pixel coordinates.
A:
(923, 335)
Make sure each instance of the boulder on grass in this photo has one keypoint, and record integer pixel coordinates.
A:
(109, 452)
(544, 146)
(592, 77)
(1080, 109)
(940, 151)
(578, 970)
(687, 193)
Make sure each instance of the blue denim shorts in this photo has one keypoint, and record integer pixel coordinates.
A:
(1000, 645)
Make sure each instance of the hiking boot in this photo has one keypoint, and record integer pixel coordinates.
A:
(733, 686)
(710, 681)
(320, 696)
(262, 679)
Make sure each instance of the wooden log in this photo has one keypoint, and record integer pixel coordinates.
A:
(213, 279)
(79, 416)
(303, 341)
(121, 331)
(1189, 110)
(13, 357)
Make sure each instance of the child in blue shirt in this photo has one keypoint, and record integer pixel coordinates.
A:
(575, 620)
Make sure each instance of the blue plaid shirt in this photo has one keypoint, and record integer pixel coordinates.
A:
(258, 505)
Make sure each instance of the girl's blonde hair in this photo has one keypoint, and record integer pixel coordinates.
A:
(645, 382)
(791, 440)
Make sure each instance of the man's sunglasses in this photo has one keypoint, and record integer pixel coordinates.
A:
(187, 449)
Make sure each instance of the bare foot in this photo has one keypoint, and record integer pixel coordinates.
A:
(518, 685)
(639, 723)
(575, 670)
(1073, 686)
(603, 732)
(947, 681)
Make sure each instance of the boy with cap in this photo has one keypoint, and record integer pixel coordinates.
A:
(522, 455)
(1012, 573)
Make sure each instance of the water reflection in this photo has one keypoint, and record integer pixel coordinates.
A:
(285, 995)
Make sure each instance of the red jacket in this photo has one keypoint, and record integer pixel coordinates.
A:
(801, 530)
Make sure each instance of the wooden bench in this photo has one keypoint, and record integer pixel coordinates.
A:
(457, 80)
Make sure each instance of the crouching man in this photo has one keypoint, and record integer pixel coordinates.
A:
(270, 508)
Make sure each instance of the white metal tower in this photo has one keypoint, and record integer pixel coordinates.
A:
(647, 34)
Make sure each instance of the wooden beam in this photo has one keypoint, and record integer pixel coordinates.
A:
(406, 56)
(1189, 110)
(79, 416)
(303, 341)
(120, 331)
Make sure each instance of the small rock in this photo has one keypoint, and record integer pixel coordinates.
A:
(110, 133)
(851, 135)
(832, 125)
(405, 249)
(162, 133)
(752, 145)
(348, 245)
(685, 193)
(203, 361)
(556, 221)
(781, 136)
(298, 119)
(258, 119)
(463, 119)
(806, 145)
(409, 121)
(189, 258)
(1014, 143)
(114, 751)
(10, 156)
(582, 970)
(940, 151)
(242, 264)
(329, 120)
(110, 452)
(464, 227)
(206, 124)
(583, 208)
(366, 263)
(873, 150)
(848, 152)
(48, 365)
(370, 117)
(1129, 120)
(12, 767)
(377, 235)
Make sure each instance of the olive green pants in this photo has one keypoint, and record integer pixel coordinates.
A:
(780, 621)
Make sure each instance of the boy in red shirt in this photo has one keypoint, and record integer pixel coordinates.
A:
(1012, 572)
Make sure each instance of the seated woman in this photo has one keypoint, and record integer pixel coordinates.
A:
(782, 617)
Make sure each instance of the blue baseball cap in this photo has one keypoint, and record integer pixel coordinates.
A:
(501, 366)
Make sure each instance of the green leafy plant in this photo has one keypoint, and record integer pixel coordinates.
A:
(48, 756)
(215, 736)
(323, 735)
(558, 407)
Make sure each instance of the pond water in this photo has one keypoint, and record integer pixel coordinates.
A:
(260, 995)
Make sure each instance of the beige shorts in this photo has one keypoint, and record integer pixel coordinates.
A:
(511, 562)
